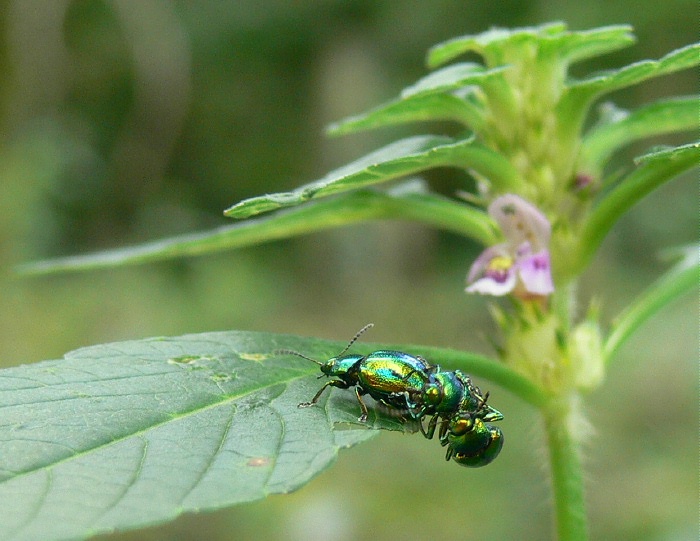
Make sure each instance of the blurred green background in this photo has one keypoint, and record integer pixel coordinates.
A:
(132, 120)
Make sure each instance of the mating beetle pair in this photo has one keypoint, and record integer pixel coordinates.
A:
(410, 384)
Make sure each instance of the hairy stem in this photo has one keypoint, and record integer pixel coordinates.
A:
(563, 422)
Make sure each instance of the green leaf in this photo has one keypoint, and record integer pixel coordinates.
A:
(398, 159)
(577, 46)
(124, 435)
(490, 44)
(684, 154)
(416, 108)
(418, 102)
(680, 279)
(453, 77)
(654, 169)
(667, 116)
(406, 202)
(579, 94)
(497, 44)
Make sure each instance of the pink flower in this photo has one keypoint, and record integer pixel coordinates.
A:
(521, 264)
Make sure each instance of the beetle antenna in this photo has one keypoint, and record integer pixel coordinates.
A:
(292, 352)
(354, 338)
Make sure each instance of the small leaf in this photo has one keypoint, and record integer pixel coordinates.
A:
(577, 46)
(453, 77)
(402, 202)
(128, 434)
(398, 159)
(490, 44)
(573, 107)
(416, 108)
(580, 93)
(680, 279)
(664, 155)
(495, 45)
(667, 116)
(654, 169)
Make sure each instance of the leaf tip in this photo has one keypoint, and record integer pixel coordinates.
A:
(251, 207)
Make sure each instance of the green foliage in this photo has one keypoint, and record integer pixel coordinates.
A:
(498, 45)
(618, 128)
(127, 434)
(407, 201)
(133, 433)
(679, 279)
(653, 170)
(526, 120)
(456, 107)
(399, 159)
(526, 136)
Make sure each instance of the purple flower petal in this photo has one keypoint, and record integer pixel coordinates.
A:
(512, 266)
(521, 221)
(536, 273)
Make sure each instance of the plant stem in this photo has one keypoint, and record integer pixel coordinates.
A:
(562, 422)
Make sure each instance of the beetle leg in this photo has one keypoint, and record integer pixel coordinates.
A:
(443, 431)
(415, 371)
(413, 409)
(332, 383)
(431, 427)
(448, 455)
(363, 407)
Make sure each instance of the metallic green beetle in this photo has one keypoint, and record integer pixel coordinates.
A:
(448, 393)
(471, 442)
(393, 378)
(410, 384)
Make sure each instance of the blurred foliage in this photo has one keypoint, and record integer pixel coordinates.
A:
(126, 121)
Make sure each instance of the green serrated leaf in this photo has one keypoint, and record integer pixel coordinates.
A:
(416, 108)
(680, 279)
(665, 155)
(355, 207)
(398, 159)
(577, 46)
(404, 202)
(489, 44)
(571, 46)
(123, 435)
(654, 169)
(452, 77)
(373, 168)
(579, 93)
(667, 116)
